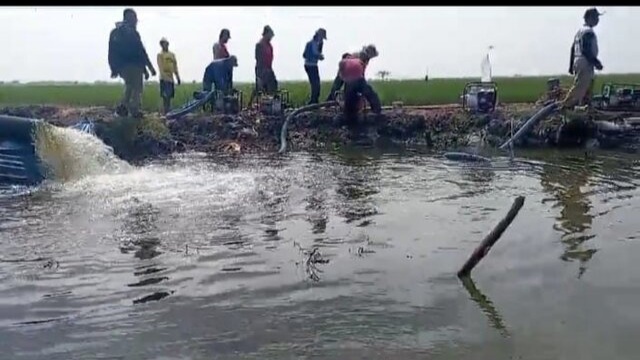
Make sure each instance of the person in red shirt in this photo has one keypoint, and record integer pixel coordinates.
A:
(351, 71)
(367, 53)
(220, 48)
(265, 77)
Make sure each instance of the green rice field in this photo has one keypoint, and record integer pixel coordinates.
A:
(411, 92)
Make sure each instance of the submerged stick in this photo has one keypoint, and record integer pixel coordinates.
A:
(461, 156)
(483, 249)
(485, 305)
(285, 125)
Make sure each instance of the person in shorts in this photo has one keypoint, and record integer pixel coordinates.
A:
(168, 67)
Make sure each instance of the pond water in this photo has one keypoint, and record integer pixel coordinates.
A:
(208, 258)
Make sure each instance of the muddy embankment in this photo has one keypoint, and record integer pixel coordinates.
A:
(437, 128)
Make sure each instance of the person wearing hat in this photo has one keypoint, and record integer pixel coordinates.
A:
(168, 67)
(351, 70)
(367, 53)
(265, 77)
(312, 54)
(584, 59)
(129, 60)
(220, 48)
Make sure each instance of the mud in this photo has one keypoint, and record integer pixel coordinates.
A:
(437, 128)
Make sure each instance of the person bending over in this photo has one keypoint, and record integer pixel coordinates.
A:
(219, 75)
(367, 53)
(352, 73)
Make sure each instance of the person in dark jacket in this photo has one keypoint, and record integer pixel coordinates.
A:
(367, 53)
(129, 60)
(219, 73)
(265, 77)
(583, 61)
(312, 54)
(352, 74)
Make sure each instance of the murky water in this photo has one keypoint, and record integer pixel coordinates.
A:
(203, 258)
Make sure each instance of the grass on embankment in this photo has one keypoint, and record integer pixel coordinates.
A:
(411, 92)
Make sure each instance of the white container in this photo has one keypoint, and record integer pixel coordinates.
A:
(471, 101)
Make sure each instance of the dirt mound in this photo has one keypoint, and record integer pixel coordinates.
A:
(440, 128)
(59, 115)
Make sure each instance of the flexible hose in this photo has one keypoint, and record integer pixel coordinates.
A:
(542, 113)
(307, 108)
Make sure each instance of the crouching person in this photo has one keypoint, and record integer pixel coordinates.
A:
(366, 54)
(352, 73)
(219, 75)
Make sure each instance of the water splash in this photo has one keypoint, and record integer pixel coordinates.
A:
(69, 154)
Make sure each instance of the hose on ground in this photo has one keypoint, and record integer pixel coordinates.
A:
(542, 113)
(298, 111)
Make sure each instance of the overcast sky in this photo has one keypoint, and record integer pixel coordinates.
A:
(70, 43)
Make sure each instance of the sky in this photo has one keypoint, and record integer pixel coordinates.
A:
(70, 43)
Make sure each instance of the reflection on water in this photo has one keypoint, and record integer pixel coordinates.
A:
(350, 255)
(569, 186)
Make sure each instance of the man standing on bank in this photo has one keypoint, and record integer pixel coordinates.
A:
(312, 54)
(266, 81)
(220, 50)
(584, 58)
(129, 60)
(168, 67)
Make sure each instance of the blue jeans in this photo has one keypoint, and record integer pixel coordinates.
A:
(314, 82)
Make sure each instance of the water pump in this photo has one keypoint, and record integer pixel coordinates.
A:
(229, 104)
(480, 97)
(273, 105)
(618, 97)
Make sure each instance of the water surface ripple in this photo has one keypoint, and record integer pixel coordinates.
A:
(203, 258)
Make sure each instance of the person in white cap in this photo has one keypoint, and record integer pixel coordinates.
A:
(168, 67)
(584, 59)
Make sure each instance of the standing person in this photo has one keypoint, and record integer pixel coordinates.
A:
(584, 58)
(168, 67)
(265, 77)
(352, 73)
(312, 54)
(129, 60)
(367, 53)
(220, 48)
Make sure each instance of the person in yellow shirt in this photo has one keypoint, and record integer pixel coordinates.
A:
(167, 67)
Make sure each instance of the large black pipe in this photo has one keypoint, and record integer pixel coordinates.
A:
(285, 125)
(542, 113)
(17, 129)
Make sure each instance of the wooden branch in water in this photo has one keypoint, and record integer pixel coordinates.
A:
(483, 249)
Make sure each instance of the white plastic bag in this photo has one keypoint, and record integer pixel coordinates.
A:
(485, 69)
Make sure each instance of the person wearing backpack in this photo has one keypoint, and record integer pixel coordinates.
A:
(312, 54)
(129, 60)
